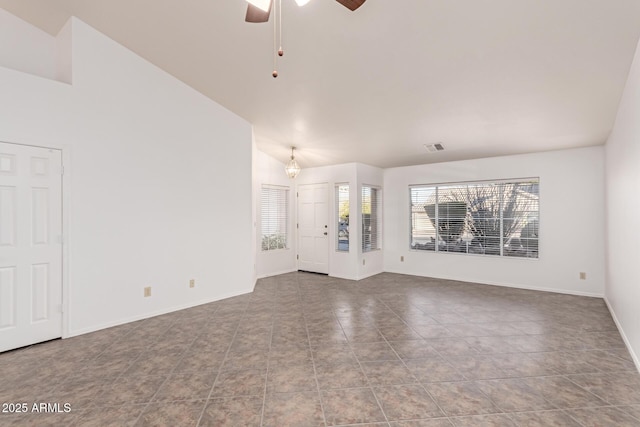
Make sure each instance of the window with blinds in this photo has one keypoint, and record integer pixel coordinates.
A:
(485, 218)
(275, 217)
(342, 205)
(371, 219)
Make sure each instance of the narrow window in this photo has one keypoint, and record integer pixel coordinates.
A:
(342, 204)
(275, 217)
(371, 219)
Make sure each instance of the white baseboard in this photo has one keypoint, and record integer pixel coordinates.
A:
(634, 356)
(373, 273)
(276, 273)
(508, 285)
(119, 322)
(338, 276)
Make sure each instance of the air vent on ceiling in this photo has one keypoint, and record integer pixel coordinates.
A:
(432, 148)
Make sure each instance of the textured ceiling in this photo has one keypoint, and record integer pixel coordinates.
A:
(484, 78)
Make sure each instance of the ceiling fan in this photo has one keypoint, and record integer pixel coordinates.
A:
(259, 10)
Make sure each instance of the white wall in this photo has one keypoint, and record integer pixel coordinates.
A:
(26, 48)
(157, 182)
(346, 265)
(623, 214)
(571, 222)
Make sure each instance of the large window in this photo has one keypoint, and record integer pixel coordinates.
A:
(485, 218)
(342, 204)
(371, 219)
(275, 217)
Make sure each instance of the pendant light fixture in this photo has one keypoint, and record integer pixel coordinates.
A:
(292, 169)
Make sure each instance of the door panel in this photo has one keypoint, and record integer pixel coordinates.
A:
(313, 231)
(30, 245)
(7, 297)
(8, 216)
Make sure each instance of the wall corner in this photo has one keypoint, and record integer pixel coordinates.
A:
(64, 53)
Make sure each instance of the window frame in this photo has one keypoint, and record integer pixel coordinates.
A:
(286, 219)
(502, 244)
(337, 212)
(379, 223)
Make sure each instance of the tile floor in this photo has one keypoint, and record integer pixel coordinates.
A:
(309, 350)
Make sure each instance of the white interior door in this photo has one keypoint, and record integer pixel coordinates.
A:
(30, 245)
(313, 228)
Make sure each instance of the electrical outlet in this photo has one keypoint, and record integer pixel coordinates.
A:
(147, 291)
(401, 258)
(192, 283)
(363, 262)
(583, 275)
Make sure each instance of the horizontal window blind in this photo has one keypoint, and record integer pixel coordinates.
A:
(497, 218)
(371, 219)
(274, 217)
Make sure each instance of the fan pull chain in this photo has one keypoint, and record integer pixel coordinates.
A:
(275, 41)
(280, 51)
(277, 34)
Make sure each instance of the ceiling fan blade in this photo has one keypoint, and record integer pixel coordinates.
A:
(351, 4)
(257, 15)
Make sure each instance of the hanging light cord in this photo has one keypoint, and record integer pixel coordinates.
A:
(277, 35)
(275, 43)
(280, 51)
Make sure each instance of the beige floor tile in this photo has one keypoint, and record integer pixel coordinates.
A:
(183, 414)
(495, 420)
(232, 412)
(351, 406)
(461, 398)
(609, 416)
(293, 410)
(434, 422)
(387, 372)
(543, 359)
(544, 419)
(407, 402)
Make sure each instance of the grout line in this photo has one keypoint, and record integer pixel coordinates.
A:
(313, 362)
(305, 292)
(121, 374)
(224, 359)
(405, 365)
(172, 370)
(371, 388)
(566, 376)
(266, 377)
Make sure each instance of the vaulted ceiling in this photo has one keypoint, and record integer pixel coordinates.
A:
(482, 77)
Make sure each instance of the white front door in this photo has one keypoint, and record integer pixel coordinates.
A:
(30, 245)
(313, 228)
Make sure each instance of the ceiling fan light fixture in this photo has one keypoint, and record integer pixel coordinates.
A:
(261, 4)
(292, 169)
(302, 2)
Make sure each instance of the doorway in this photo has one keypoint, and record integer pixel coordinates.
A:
(313, 228)
(30, 245)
